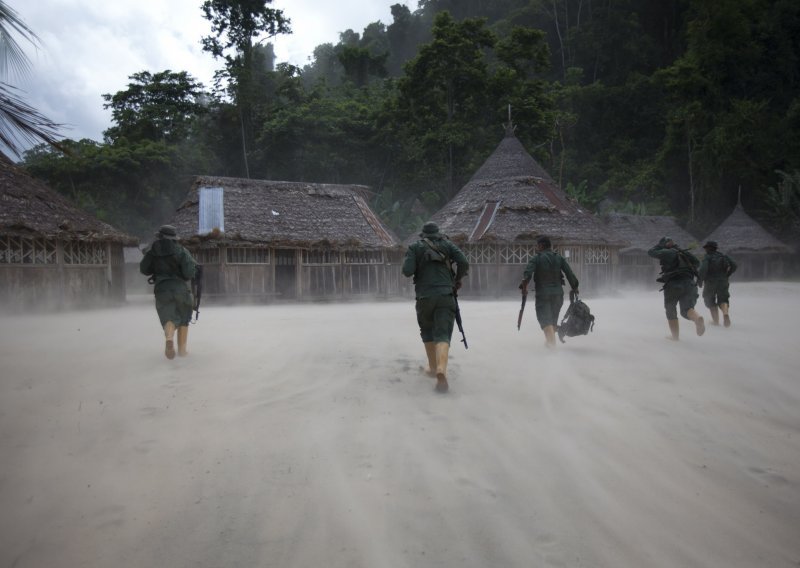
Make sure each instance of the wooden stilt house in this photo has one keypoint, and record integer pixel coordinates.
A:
(263, 240)
(636, 268)
(501, 211)
(758, 254)
(53, 255)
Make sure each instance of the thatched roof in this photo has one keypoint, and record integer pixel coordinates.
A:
(741, 233)
(644, 231)
(29, 208)
(511, 198)
(288, 214)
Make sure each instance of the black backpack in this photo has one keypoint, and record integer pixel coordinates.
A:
(578, 320)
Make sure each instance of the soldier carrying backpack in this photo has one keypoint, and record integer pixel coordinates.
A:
(715, 270)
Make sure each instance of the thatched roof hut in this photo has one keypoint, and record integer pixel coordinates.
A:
(284, 213)
(509, 202)
(758, 253)
(52, 253)
(643, 232)
(741, 234)
(288, 239)
(31, 209)
(511, 198)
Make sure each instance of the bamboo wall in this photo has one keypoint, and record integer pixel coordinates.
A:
(42, 275)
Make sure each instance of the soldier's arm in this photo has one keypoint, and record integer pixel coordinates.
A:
(733, 265)
(529, 269)
(188, 265)
(571, 278)
(659, 252)
(462, 264)
(146, 264)
(410, 262)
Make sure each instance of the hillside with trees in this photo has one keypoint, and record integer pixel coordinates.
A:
(656, 106)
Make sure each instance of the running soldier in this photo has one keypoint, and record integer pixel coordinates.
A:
(713, 277)
(547, 268)
(429, 261)
(678, 271)
(171, 267)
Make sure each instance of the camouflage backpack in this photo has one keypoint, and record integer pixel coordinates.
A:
(578, 320)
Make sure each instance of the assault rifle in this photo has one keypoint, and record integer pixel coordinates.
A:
(197, 290)
(458, 320)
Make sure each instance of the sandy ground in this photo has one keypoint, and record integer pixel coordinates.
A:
(305, 436)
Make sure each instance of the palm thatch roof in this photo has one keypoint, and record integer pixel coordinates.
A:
(644, 231)
(512, 198)
(28, 208)
(286, 214)
(740, 233)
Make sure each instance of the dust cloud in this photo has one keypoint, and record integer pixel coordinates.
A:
(306, 436)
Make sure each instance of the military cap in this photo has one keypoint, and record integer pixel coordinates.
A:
(710, 245)
(429, 230)
(167, 232)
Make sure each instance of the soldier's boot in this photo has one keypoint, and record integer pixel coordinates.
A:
(714, 315)
(442, 349)
(430, 351)
(725, 316)
(183, 338)
(674, 330)
(169, 335)
(550, 336)
(699, 322)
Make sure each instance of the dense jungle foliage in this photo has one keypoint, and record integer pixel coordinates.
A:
(648, 106)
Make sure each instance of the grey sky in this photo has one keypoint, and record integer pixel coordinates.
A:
(91, 47)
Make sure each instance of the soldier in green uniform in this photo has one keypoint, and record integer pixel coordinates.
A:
(678, 270)
(715, 270)
(429, 261)
(547, 268)
(171, 267)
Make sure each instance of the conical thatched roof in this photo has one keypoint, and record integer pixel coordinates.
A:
(644, 231)
(31, 209)
(512, 198)
(741, 233)
(291, 214)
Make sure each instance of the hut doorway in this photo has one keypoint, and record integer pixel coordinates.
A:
(286, 272)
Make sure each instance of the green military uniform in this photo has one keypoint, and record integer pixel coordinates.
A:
(429, 261)
(170, 267)
(546, 268)
(713, 277)
(678, 269)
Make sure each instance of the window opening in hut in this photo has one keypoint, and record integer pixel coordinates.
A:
(206, 255)
(79, 252)
(517, 254)
(363, 257)
(321, 257)
(480, 253)
(22, 250)
(212, 213)
(597, 255)
(245, 255)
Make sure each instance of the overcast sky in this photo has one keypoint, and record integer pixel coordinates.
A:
(91, 47)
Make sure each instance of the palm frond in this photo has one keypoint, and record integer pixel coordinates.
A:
(12, 57)
(21, 125)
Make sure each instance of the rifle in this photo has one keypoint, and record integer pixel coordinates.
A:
(197, 290)
(524, 289)
(458, 320)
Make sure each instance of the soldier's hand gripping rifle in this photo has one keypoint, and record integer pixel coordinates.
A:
(458, 319)
(197, 290)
